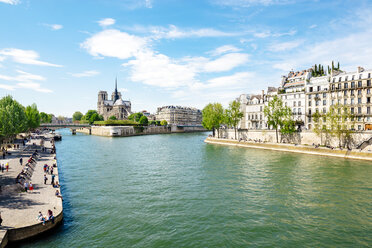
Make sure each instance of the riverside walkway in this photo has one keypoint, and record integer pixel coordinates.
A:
(19, 209)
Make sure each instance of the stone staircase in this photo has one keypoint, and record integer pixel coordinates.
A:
(364, 144)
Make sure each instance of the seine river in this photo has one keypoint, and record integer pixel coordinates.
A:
(176, 191)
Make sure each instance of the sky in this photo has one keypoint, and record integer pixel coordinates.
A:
(60, 53)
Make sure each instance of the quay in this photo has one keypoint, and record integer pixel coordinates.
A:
(19, 209)
(353, 154)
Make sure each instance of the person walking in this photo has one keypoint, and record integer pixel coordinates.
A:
(26, 186)
(31, 187)
(1, 219)
(2, 167)
(53, 176)
(21, 161)
(45, 178)
(7, 166)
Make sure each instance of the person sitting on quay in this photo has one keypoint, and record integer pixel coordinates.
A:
(50, 216)
(41, 218)
(58, 194)
(56, 185)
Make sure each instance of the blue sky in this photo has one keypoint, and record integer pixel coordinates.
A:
(59, 54)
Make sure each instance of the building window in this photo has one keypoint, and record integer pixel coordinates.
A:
(352, 110)
(334, 80)
(346, 78)
(352, 92)
(359, 100)
(345, 93)
(339, 79)
(294, 104)
(369, 82)
(368, 91)
(318, 88)
(352, 101)
(345, 85)
(299, 103)
(309, 103)
(345, 101)
(294, 111)
(324, 110)
(333, 87)
(359, 83)
(369, 75)
(339, 87)
(368, 99)
(352, 84)
(359, 92)
(359, 127)
(261, 108)
(317, 103)
(359, 110)
(333, 102)
(352, 77)
(368, 110)
(309, 111)
(324, 94)
(309, 96)
(310, 89)
(360, 76)
(299, 111)
(324, 102)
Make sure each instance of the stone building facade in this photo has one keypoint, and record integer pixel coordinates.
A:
(177, 115)
(306, 95)
(115, 106)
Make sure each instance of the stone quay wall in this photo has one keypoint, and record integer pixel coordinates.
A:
(302, 138)
(125, 131)
(293, 148)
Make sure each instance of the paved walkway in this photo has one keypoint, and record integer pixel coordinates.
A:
(21, 209)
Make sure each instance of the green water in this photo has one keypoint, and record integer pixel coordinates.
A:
(176, 191)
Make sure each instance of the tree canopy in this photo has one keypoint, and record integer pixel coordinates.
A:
(163, 123)
(135, 116)
(213, 117)
(33, 116)
(45, 118)
(92, 116)
(143, 120)
(77, 116)
(233, 115)
(112, 117)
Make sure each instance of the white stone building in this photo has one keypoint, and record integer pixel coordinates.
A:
(177, 115)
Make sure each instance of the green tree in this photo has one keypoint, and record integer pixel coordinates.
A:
(277, 115)
(135, 116)
(13, 118)
(77, 116)
(143, 120)
(92, 116)
(234, 115)
(112, 117)
(213, 117)
(45, 118)
(163, 123)
(33, 116)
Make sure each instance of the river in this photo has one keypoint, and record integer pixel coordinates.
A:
(174, 190)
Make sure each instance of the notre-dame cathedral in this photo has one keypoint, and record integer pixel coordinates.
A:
(115, 107)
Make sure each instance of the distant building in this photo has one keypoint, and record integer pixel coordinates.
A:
(178, 115)
(115, 107)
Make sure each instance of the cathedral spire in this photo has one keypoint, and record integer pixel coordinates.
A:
(116, 97)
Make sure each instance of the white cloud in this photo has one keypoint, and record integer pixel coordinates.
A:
(53, 26)
(249, 3)
(28, 57)
(106, 22)
(123, 90)
(113, 43)
(225, 49)
(226, 62)
(285, 46)
(174, 32)
(148, 4)
(12, 2)
(25, 80)
(236, 80)
(313, 26)
(85, 74)
(268, 33)
(159, 70)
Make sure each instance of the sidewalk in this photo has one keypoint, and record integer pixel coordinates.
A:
(21, 209)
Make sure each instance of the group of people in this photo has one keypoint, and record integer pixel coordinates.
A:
(4, 167)
(43, 219)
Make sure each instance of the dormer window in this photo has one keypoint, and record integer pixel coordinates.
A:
(352, 77)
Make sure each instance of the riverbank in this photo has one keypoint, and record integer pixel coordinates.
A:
(294, 148)
(19, 209)
(127, 131)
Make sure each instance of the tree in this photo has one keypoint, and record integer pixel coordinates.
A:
(92, 116)
(144, 121)
(33, 116)
(13, 118)
(234, 115)
(338, 65)
(277, 115)
(135, 116)
(213, 117)
(77, 116)
(112, 117)
(163, 123)
(333, 65)
(45, 118)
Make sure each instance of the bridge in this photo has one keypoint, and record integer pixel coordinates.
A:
(72, 126)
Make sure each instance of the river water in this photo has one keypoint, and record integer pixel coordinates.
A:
(176, 191)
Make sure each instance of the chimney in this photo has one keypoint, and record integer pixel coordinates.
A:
(360, 69)
(263, 92)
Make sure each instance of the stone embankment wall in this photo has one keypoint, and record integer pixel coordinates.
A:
(304, 138)
(124, 131)
(293, 148)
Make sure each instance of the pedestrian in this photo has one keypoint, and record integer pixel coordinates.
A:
(1, 219)
(7, 166)
(47, 169)
(51, 170)
(53, 176)
(45, 178)
(45, 166)
(31, 187)
(2, 168)
(26, 186)
(21, 161)
(50, 216)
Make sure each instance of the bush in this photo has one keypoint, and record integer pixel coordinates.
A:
(116, 123)
(163, 123)
(144, 121)
(113, 117)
